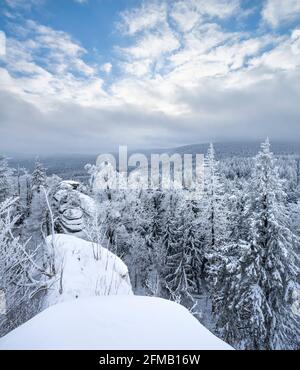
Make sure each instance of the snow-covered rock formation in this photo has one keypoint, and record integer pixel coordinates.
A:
(114, 323)
(74, 208)
(90, 305)
(84, 269)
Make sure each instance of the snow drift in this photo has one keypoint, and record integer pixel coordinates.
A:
(84, 269)
(114, 323)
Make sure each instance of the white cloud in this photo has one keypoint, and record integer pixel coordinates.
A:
(137, 68)
(182, 76)
(153, 45)
(276, 12)
(295, 42)
(106, 67)
(46, 67)
(157, 46)
(200, 41)
(152, 39)
(285, 56)
(148, 16)
(142, 94)
(23, 4)
(2, 44)
(185, 14)
(235, 54)
(188, 13)
(218, 8)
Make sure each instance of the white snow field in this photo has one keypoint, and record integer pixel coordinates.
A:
(113, 323)
(84, 269)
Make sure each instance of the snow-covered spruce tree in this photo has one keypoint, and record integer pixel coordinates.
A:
(195, 239)
(169, 240)
(20, 278)
(224, 268)
(213, 203)
(144, 222)
(214, 216)
(179, 280)
(5, 174)
(258, 279)
(184, 256)
(104, 184)
(39, 177)
(298, 177)
(237, 220)
(139, 263)
(295, 218)
(150, 228)
(28, 191)
(155, 210)
(35, 224)
(23, 195)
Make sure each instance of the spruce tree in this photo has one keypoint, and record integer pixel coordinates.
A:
(256, 280)
(5, 174)
(195, 241)
(170, 239)
(213, 203)
(39, 177)
(184, 256)
(215, 217)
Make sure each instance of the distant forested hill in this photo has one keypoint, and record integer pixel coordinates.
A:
(72, 166)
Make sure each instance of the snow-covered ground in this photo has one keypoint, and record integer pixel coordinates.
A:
(84, 269)
(90, 305)
(114, 323)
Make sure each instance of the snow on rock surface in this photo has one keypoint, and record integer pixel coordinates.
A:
(84, 269)
(74, 207)
(114, 323)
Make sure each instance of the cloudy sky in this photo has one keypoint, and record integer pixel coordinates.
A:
(84, 76)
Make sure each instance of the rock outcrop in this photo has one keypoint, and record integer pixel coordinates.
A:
(73, 207)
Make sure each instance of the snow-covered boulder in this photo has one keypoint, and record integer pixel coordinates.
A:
(74, 208)
(70, 184)
(114, 323)
(84, 269)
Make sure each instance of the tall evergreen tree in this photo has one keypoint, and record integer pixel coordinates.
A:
(214, 215)
(214, 210)
(155, 210)
(39, 177)
(184, 255)
(194, 238)
(256, 280)
(237, 220)
(5, 174)
(37, 215)
(170, 239)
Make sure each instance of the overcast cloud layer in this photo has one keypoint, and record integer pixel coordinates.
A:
(183, 72)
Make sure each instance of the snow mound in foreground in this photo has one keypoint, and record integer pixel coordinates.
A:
(84, 269)
(114, 323)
